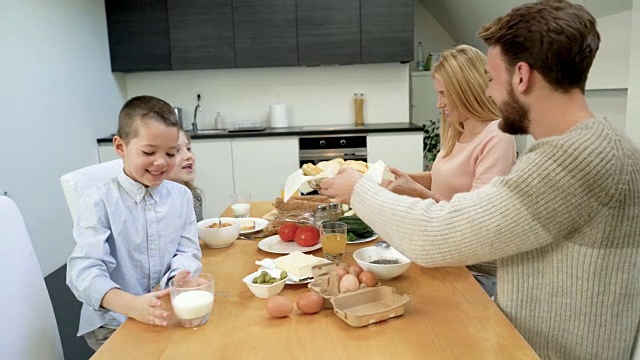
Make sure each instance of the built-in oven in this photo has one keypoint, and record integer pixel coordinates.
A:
(314, 149)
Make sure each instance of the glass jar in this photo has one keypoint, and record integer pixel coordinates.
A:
(358, 103)
(322, 215)
(335, 212)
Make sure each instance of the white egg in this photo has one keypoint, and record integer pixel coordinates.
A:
(349, 283)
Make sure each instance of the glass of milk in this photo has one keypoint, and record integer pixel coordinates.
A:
(192, 298)
(240, 205)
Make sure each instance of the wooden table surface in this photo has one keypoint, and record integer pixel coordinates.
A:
(448, 316)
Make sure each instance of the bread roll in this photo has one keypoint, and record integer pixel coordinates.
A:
(311, 170)
(360, 166)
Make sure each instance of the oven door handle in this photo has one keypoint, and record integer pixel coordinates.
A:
(332, 155)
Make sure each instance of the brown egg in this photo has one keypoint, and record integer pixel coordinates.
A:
(341, 273)
(368, 278)
(355, 270)
(278, 306)
(310, 302)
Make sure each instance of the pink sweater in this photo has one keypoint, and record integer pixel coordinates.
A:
(474, 164)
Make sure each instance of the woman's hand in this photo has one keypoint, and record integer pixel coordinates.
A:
(340, 187)
(404, 185)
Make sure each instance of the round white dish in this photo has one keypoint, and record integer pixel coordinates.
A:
(273, 244)
(361, 240)
(260, 224)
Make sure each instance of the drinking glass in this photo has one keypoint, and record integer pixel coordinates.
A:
(333, 236)
(192, 298)
(240, 205)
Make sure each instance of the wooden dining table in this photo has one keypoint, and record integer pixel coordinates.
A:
(448, 316)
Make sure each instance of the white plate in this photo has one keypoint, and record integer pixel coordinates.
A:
(275, 245)
(260, 224)
(361, 240)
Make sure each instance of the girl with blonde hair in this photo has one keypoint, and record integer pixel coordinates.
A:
(472, 149)
(185, 171)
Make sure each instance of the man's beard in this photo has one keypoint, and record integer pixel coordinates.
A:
(515, 115)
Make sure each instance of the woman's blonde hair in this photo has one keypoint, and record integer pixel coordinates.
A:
(462, 72)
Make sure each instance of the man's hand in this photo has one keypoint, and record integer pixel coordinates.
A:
(404, 185)
(340, 187)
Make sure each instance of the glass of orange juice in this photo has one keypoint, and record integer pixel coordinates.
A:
(333, 236)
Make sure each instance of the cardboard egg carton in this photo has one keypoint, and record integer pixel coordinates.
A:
(362, 307)
(322, 283)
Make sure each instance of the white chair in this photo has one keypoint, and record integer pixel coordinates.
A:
(76, 183)
(28, 325)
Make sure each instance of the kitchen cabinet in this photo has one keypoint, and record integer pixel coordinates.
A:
(424, 98)
(328, 32)
(148, 35)
(387, 30)
(400, 150)
(214, 174)
(262, 165)
(106, 152)
(201, 33)
(265, 33)
(138, 35)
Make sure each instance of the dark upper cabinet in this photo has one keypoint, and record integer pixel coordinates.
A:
(138, 35)
(265, 33)
(328, 32)
(387, 30)
(201, 34)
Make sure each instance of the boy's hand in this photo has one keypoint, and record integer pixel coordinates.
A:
(147, 308)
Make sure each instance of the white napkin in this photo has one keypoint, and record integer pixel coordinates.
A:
(377, 172)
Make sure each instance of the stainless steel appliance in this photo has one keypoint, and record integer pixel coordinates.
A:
(313, 149)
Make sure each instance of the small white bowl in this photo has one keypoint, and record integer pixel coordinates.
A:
(265, 291)
(365, 255)
(218, 237)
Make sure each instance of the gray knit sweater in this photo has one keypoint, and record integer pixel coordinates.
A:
(565, 228)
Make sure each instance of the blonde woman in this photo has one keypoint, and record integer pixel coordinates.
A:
(473, 149)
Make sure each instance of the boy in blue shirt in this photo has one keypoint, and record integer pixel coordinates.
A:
(136, 231)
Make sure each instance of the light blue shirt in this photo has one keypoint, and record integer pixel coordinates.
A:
(131, 238)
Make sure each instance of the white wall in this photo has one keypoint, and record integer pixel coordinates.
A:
(633, 105)
(314, 95)
(58, 95)
(428, 30)
(610, 69)
(609, 103)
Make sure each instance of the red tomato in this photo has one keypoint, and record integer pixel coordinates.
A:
(307, 236)
(288, 231)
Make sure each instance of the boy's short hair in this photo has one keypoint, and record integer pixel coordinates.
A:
(556, 38)
(141, 108)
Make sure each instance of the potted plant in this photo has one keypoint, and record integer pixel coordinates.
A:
(431, 142)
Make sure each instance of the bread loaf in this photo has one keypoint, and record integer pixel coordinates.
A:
(298, 203)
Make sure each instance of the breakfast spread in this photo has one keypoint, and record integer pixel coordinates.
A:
(298, 264)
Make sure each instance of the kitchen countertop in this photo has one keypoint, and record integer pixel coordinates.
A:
(303, 131)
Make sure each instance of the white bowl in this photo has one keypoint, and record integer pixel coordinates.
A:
(265, 291)
(365, 255)
(220, 237)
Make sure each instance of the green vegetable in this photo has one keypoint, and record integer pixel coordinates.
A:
(351, 237)
(356, 226)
